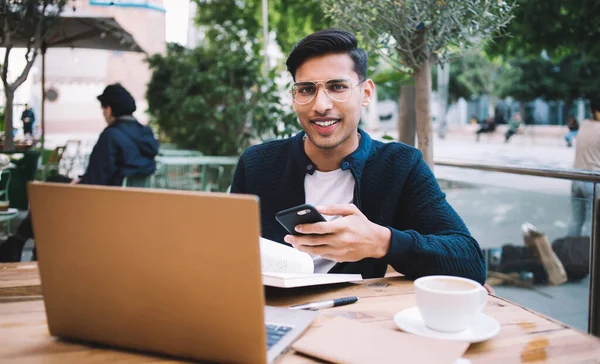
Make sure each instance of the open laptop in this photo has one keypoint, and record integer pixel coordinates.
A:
(171, 272)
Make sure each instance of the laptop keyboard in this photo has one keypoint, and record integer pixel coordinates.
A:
(275, 333)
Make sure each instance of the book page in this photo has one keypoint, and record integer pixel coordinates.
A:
(280, 258)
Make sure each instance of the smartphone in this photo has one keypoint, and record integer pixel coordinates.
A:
(302, 214)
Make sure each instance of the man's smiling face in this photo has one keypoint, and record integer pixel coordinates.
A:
(331, 124)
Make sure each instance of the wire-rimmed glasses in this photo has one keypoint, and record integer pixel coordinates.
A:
(338, 89)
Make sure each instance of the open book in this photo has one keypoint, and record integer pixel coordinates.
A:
(286, 267)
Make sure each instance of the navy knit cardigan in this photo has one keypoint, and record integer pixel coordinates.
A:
(394, 188)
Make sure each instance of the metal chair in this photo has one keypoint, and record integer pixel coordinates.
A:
(7, 216)
(52, 162)
(4, 184)
(138, 181)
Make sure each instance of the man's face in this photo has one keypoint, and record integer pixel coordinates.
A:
(330, 124)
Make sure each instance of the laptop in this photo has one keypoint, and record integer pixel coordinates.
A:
(171, 272)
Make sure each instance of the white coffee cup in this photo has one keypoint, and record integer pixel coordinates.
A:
(449, 304)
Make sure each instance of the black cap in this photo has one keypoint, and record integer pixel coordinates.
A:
(120, 100)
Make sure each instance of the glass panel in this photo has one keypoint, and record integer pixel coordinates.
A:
(522, 259)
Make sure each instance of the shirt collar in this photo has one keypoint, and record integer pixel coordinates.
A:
(354, 161)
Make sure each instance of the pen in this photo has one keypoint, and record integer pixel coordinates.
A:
(325, 304)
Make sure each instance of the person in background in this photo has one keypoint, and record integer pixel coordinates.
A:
(573, 126)
(514, 126)
(125, 148)
(489, 126)
(587, 157)
(28, 119)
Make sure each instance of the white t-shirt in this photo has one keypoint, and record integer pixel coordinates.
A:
(328, 188)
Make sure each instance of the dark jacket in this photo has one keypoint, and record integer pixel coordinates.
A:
(124, 148)
(394, 188)
(28, 113)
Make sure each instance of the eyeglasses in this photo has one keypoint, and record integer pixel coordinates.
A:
(338, 90)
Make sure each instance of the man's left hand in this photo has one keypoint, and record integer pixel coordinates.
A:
(349, 238)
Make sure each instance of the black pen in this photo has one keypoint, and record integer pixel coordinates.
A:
(325, 304)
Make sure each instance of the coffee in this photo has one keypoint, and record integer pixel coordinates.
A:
(449, 304)
(450, 285)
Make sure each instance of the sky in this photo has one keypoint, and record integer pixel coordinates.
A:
(176, 20)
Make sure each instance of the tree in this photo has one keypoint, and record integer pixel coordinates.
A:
(566, 79)
(557, 27)
(553, 50)
(23, 19)
(289, 27)
(214, 100)
(244, 17)
(412, 35)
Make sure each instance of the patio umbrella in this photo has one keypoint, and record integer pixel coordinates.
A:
(73, 31)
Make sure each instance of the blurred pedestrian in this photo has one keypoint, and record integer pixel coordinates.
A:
(514, 127)
(489, 126)
(587, 157)
(28, 119)
(573, 126)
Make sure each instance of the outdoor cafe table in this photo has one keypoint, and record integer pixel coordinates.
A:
(200, 161)
(525, 335)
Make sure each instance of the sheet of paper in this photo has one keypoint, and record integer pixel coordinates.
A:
(280, 258)
(342, 340)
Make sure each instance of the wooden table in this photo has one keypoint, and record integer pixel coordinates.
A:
(526, 336)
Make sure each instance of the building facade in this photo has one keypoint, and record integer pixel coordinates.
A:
(74, 77)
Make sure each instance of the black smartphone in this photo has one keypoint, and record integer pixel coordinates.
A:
(302, 214)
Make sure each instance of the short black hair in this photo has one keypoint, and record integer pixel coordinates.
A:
(119, 99)
(328, 41)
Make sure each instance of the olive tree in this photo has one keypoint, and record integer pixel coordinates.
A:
(412, 35)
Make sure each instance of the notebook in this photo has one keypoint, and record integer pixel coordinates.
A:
(285, 267)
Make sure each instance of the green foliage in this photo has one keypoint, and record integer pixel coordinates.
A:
(214, 99)
(474, 74)
(477, 74)
(406, 33)
(389, 81)
(292, 20)
(566, 79)
(244, 19)
(552, 50)
(232, 21)
(456, 85)
(558, 27)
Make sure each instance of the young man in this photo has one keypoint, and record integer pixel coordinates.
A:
(389, 205)
(125, 148)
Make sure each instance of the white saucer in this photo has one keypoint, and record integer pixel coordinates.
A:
(10, 211)
(483, 328)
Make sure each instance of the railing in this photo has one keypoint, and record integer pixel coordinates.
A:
(594, 177)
